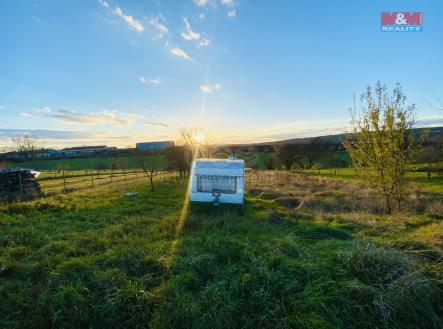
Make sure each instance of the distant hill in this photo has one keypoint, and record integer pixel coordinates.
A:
(335, 139)
(434, 131)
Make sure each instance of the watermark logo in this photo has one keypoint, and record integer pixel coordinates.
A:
(401, 21)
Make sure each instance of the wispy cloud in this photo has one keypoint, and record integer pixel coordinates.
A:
(48, 134)
(112, 117)
(155, 81)
(429, 121)
(201, 3)
(157, 124)
(44, 109)
(104, 3)
(132, 23)
(64, 138)
(159, 25)
(188, 34)
(2, 107)
(203, 43)
(229, 3)
(177, 51)
(210, 89)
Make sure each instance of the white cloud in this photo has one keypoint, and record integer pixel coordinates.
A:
(155, 81)
(429, 121)
(232, 13)
(208, 89)
(159, 24)
(112, 117)
(48, 134)
(201, 3)
(204, 43)
(176, 51)
(228, 3)
(104, 3)
(202, 16)
(133, 23)
(45, 109)
(188, 34)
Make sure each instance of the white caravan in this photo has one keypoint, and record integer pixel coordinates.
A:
(217, 181)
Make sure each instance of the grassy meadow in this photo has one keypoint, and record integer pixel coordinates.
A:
(75, 164)
(255, 160)
(310, 252)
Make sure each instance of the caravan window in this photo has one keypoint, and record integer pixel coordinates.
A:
(222, 184)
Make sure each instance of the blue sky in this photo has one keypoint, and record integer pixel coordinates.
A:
(120, 71)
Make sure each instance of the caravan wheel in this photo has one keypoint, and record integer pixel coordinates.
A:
(241, 208)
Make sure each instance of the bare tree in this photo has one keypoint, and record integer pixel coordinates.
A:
(150, 169)
(25, 144)
(197, 141)
(6, 149)
(382, 144)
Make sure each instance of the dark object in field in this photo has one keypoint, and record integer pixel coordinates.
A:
(288, 202)
(18, 182)
(273, 217)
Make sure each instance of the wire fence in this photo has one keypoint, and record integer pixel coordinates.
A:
(57, 182)
(67, 182)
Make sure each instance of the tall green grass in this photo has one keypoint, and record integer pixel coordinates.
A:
(100, 259)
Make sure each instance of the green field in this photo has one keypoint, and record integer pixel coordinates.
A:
(255, 160)
(85, 164)
(309, 253)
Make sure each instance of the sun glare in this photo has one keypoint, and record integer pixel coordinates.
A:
(200, 137)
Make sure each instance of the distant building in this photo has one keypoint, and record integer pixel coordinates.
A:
(87, 149)
(146, 146)
(51, 152)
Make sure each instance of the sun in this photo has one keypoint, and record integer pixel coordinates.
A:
(200, 137)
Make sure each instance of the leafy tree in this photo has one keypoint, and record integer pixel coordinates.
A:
(382, 144)
(177, 159)
(313, 150)
(270, 163)
(286, 154)
(335, 162)
(431, 153)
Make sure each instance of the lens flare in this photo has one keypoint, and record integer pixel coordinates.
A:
(200, 137)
